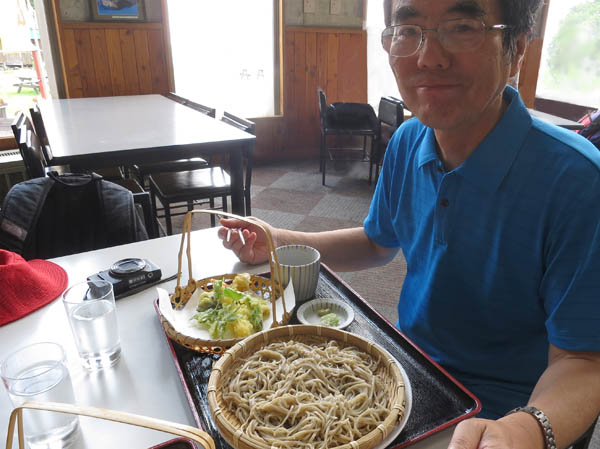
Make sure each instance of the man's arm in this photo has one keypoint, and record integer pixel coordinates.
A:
(342, 250)
(568, 392)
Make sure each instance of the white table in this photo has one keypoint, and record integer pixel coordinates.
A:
(145, 380)
(124, 130)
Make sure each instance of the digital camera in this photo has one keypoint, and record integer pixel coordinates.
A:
(127, 274)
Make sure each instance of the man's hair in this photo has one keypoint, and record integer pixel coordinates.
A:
(519, 15)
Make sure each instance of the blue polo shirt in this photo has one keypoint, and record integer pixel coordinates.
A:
(503, 252)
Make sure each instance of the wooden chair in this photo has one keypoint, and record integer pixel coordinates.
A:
(391, 116)
(110, 173)
(200, 186)
(363, 126)
(142, 171)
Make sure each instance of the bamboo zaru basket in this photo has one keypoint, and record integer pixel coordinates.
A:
(191, 433)
(229, 363)
(269, 289)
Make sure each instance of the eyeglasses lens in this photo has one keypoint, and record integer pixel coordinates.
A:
(455, 36)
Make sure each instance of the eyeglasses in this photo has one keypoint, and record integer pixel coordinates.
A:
(456, 36)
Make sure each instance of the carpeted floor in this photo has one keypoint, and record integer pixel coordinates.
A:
(289, 194)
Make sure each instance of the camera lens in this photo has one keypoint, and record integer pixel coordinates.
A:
(125, 267)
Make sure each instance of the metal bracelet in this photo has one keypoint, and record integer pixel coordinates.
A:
(542, 420)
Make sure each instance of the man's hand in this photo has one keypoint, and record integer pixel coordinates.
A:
(519, 430)
(255, 249)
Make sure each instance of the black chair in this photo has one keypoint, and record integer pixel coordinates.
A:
(363, 124)
(391, 116)
(110, 173)
(249, 127)
(142, 171)
(200, 186)
(173, 96)
(29, 147)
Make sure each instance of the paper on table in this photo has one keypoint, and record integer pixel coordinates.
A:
(181, 319)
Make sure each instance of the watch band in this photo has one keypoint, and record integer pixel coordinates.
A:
(542, 420)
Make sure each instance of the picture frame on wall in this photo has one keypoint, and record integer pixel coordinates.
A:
(118, 10)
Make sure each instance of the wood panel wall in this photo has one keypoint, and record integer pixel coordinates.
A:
(332, 58)
(101, 59)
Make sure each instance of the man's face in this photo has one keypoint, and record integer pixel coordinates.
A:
(451, 91)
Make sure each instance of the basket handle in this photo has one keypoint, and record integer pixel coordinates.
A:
(181, 430)
(273, 261)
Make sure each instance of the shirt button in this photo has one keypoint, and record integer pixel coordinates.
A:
(444, 203)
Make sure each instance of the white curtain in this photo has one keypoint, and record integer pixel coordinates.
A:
(381, 79)
(223, 53)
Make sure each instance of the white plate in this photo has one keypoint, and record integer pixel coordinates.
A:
(308, 312)
(407, 409)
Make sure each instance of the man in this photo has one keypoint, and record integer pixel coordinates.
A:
(497, 215)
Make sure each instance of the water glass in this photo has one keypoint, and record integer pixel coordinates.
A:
(301, 265)
(92, 313)
(38, 372)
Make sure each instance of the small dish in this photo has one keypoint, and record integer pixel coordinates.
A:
(308, 312)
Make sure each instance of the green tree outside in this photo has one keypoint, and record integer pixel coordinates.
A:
(574, 54)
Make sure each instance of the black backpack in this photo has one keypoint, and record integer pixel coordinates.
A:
(66, 214)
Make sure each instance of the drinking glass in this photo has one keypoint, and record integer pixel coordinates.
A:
(92, 313)
(38, 372)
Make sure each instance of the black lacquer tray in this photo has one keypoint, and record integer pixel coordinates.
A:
(439, 401)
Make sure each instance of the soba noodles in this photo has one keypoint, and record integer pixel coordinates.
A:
(310, 393)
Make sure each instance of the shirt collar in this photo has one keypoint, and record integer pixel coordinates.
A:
(490, 161)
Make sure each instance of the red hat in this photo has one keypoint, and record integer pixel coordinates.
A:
(26, 286)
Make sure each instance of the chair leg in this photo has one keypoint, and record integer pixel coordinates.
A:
(248, 207)
(211, 204)
(323, 156)
(224, 203)
(167, 207)
(321, 152)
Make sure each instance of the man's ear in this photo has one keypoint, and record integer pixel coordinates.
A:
(520, 47)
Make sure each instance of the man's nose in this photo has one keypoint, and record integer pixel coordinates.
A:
(431, 54)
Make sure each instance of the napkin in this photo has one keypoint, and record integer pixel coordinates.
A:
(181, 319)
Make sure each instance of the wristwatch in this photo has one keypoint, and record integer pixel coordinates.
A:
(542, 420)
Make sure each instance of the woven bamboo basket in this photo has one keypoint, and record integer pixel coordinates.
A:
(269, 289)
(16, 421)
(229, 425)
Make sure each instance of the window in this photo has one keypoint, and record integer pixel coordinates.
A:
(224, 54)
(570, 64)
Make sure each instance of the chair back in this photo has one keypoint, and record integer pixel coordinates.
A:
(29, 146)
(211, 112)
(391, 111)
(391, 116)
(176, 98)
(322, 101)
(38, 124)
(249, 127)
(16, 126)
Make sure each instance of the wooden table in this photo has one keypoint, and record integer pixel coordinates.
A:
(110, 131)
(555, 120)
(145, 380)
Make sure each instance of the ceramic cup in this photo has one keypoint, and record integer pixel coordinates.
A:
(300, 264)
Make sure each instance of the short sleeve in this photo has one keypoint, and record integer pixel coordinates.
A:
(570, 287)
